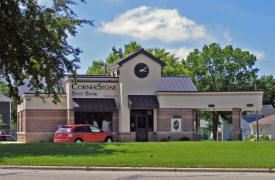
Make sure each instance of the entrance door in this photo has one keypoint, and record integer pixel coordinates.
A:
(142, 128)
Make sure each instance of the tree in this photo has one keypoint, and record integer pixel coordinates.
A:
(4, 89)
(97, 67)
(173, 67)
(267, 84)
(221, 69)
(33, 44)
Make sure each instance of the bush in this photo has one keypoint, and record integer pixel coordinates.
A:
(250, 138)
(164, 140)
(185, 138)
(264, 138)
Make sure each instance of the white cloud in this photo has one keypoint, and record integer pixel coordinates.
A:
(227, 36)
(259, 54)
(146, 23)
(181, 52)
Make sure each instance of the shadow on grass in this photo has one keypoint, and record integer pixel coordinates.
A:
(59, 149)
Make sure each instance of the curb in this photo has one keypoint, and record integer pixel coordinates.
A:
(82, 168)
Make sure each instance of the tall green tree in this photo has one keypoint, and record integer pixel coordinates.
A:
(174, 65)
(97, 67)
(221, 69)
(33, 44)
(267, 84)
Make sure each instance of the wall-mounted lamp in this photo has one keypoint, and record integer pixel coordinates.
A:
(250, 105)
(211, 105)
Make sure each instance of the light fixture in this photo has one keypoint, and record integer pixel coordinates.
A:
(211, 105)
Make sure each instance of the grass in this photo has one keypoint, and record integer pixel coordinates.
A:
(151, 154)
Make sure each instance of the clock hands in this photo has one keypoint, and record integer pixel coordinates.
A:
(144, 69)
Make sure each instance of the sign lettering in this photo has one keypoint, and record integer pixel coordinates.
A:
(93, 90)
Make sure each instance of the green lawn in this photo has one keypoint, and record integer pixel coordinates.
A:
(164, 154)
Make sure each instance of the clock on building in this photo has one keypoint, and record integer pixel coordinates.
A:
(141, 70)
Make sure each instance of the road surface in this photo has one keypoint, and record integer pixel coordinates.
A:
(18, 174)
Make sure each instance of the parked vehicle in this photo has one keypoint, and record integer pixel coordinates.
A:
(7, 137)
(82, 133)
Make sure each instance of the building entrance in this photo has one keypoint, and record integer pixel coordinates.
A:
(141, 123)
(102, 120)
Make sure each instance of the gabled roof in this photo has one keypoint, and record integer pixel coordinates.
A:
(25, 89)
(250, 119)
(141, 51)
(267, 120)
(177, 84)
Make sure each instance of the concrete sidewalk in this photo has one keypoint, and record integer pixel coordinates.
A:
(259, 170)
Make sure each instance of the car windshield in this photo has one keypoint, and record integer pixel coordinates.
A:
(64, 129)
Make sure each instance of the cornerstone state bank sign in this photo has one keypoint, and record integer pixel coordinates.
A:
(94, 90)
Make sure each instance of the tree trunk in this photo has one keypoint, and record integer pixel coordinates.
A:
(215, 122)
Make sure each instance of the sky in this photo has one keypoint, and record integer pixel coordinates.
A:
(179, 26)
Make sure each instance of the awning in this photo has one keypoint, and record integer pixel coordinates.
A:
(94, 105)
(143, 101)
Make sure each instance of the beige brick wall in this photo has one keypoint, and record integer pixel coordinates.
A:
(165, 115)
(44, 120)
(70, 117)
(35, 137)
(115, 121)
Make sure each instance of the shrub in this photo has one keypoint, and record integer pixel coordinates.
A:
(264, 138)
(185, 138)
(164, 140)
(250, 138)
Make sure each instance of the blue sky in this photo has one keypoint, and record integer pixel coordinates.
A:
(178, 26)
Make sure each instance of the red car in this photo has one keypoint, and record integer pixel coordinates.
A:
(82, 133)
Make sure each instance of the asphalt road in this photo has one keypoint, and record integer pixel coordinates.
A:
(17, 174)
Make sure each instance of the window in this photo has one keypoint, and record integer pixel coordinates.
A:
(134, 119)
(94, 129)
(82, 129)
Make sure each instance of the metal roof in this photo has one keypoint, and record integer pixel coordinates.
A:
(89, 76)
(250, 119)
(177, 84)
(143, 101)
(266, 120)
(124, 60)
(27, 90)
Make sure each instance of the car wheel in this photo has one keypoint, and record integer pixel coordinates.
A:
(78, 141)
(109, 140)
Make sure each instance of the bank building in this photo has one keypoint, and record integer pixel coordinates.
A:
(135, 103)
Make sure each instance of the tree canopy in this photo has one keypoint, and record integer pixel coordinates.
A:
(267, 84)
(221, 69)
(174, 64)
(33, 44)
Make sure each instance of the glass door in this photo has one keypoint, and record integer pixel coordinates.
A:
(141, 128)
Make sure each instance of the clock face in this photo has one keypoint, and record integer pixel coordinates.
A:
(141, 70)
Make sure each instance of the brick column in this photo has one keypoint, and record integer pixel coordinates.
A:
(115, 122)
(187, 120)
(236, 124)
(198, 125)
(70, 116)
